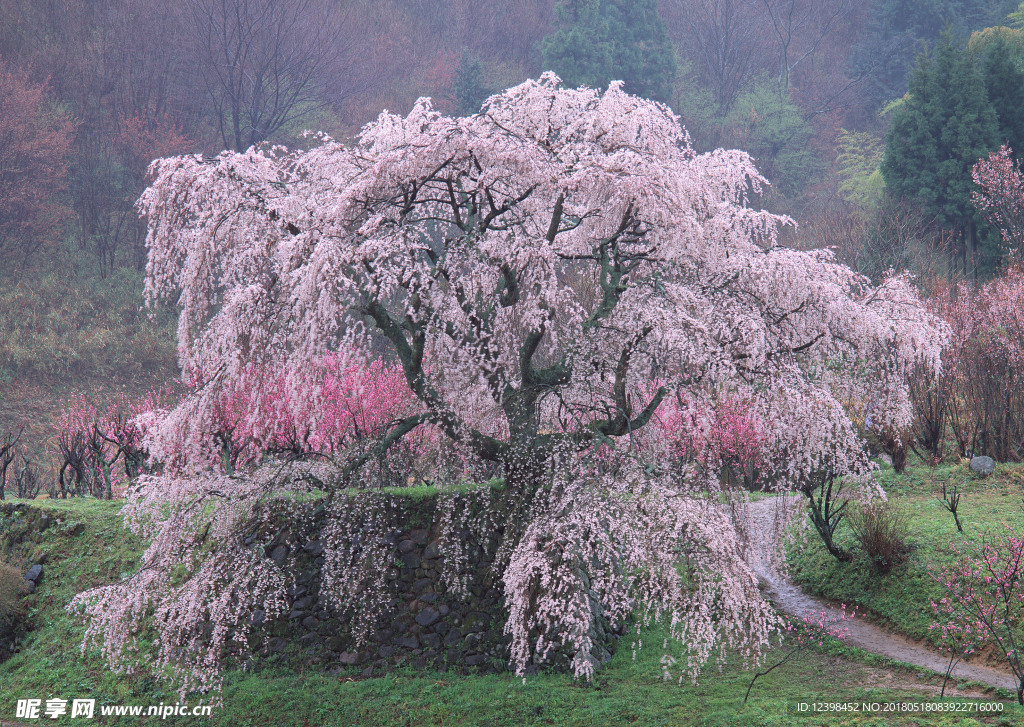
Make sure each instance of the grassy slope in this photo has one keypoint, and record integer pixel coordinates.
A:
(901, 598)
(63, 331)
(89, 547)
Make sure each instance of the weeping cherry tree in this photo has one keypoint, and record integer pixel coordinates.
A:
(548, 274)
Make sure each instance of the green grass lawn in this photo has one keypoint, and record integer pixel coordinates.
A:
(901, 599)
(85, 545)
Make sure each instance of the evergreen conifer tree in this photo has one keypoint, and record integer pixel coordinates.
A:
(895, 28)
(1003, 67)
(470, 89)
(604, 40)
(944, 126)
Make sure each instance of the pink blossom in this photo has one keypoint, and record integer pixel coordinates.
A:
(545, 276)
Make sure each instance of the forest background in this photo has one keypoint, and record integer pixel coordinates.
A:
(816, 91)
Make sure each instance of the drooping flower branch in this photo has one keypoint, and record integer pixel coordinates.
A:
(807, 630)
(544, 278)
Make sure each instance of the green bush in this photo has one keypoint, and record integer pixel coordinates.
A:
(881, 529)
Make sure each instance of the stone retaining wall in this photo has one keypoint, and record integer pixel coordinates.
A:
(21, 529)
(429, 627)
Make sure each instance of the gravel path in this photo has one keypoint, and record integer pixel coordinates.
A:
(789, 599)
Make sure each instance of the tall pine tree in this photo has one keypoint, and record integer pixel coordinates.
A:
(1003, 67)
(470, 88)
(944, 126)
(605, 40)
(895, 29)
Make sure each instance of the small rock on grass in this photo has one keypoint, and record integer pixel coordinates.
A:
(983, 466)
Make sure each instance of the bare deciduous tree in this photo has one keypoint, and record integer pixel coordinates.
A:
(7, 454)
(34, 147)
(725, 38)
(26, 480)
(267, 63)
(74, 462)
(799, 28)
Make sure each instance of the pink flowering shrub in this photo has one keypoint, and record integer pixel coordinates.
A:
(980, 392)
(983, 600)
(1000, 195)
(960, 638)
(725, 437)
(328, 409)
(91, 441)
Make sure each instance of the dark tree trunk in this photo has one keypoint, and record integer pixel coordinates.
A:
(899, 458)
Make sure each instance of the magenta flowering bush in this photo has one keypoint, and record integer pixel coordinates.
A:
(726, 437)
(542, 278)
(325, 408)
(102, 449)
(983, 600)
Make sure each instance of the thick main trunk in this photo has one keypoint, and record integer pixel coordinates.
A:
(899, 458)
(525, 466)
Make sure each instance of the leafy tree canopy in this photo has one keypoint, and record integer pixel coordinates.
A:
(858, 162)
(1016, 18)
(770, 127)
